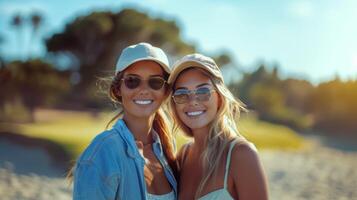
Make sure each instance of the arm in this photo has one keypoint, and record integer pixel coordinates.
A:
(89, 184)
(249, 179)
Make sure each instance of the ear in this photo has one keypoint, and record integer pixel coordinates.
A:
(118, 91)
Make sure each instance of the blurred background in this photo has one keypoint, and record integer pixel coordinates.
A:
(293, 63)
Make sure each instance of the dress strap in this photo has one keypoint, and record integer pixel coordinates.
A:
(228, 162)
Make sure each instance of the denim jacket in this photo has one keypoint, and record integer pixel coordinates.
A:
(112, 168)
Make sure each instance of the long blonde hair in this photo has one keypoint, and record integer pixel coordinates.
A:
(222, 131)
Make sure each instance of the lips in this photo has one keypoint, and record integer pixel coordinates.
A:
(195, 113)
(143, 101)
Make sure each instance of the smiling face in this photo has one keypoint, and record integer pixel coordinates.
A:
(197, 112)
(141, 101)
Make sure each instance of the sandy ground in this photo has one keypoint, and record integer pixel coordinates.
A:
(32, 187)
(320, 174)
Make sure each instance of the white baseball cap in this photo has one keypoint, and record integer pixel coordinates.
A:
(140, 52)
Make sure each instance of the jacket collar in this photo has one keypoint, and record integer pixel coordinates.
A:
(128, 137)
(157, 142)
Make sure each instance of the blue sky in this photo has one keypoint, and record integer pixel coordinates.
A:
(310, 39)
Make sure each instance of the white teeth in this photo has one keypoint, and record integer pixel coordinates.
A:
(194, 113)
(143, 102)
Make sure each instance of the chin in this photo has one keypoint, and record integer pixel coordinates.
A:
(144, 113)
(196, 125)
(141, 113)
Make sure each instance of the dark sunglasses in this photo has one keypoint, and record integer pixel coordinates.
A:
(182, 96)
(155, 83)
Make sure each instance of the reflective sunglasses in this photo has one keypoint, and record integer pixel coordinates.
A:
(182, 96)
(155, 83)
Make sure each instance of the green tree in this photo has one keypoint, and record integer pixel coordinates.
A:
(35, 82)
(269, 96)
(17, 23)
(298, 93)
(242, 88)
(267, 99)
(2, 62)
(6, 86)
(223, 59)
(334, 106)
(36, 21)
(97, 39)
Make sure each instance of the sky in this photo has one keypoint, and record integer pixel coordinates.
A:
(308, 39)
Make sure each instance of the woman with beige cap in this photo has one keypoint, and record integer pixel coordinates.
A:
(219, 163)
(135, 159)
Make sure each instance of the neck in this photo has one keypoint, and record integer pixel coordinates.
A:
(200, 135)
(140, 127)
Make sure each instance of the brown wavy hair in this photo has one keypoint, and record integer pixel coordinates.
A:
(160, 123)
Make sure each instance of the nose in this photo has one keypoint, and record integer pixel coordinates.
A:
(144, 88)
(192, 100)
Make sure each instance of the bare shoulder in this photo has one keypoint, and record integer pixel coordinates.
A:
(245, 158)
(244, 151)
(247, 172)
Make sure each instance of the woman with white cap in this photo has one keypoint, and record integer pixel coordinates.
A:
(135, 159)
(219, 163)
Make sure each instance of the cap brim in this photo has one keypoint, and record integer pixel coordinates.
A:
(187, 64)
(163, 65)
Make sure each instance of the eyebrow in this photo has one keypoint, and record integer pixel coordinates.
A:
(198, 86)
(203, 84)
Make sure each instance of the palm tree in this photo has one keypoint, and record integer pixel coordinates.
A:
(36, 20)
(17, 23)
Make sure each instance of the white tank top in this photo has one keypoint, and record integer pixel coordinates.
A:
(168, 196)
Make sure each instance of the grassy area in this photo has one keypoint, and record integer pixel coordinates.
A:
(269, 136)
(74, 130)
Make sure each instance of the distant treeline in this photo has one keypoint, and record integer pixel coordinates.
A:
(89, 45)
(77, 56)
(329, 107)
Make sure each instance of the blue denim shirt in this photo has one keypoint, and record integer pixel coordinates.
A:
(112, 168)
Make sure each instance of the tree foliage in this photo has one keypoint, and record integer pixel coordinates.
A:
(329, 107)
(270, 97)
(97, 39)
(334, 106)
(34, 82)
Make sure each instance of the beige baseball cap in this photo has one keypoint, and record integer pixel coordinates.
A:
(195, 60)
